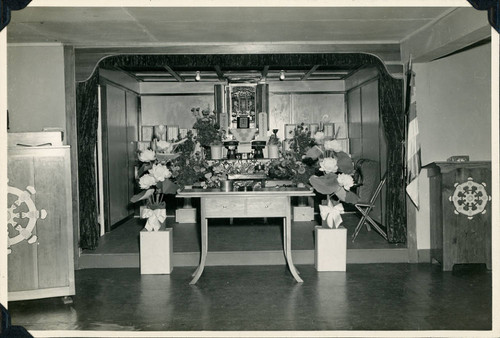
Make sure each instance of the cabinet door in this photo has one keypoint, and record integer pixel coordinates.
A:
(40, 224)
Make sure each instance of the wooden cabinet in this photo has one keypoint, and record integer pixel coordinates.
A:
(460, 211)
(40, 226)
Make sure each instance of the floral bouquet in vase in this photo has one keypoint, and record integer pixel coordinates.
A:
(336, 183)
(154, 181)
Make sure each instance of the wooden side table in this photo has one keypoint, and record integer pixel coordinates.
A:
(460, 211)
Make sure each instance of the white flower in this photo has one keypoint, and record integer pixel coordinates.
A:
(160, 172)
(164, 146)
(319, 135)
(147, 181)
(345, 181)
(147, 155)
(334, 145)
(329, 165)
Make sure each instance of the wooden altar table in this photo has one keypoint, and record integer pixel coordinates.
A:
(263, 202)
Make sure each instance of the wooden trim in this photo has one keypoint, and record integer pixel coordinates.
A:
(106, 81)
(364, 83)
(177, 94)
(72, 141)
(309, 72)
(306, 92)
(174, 74)
(105, 166)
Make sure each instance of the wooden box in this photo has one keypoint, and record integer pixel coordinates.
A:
(156, 251)
(303, 214)
(40, 223)
(331, 249)
(185, 215)
(460, 212)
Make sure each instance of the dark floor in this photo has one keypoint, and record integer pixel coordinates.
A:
(248, 298)
(223, 236)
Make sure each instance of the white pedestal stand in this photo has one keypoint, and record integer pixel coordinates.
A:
(156, 251)
(331, 249)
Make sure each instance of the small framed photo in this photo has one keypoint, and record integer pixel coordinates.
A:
(172, 133)
(313, 127)
(243, 122)
(329, 129)
(147, 133)
(289, 131)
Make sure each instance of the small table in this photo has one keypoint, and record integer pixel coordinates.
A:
(263, 202)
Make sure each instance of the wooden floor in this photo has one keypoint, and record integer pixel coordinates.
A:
(245, 242)
(406, 297)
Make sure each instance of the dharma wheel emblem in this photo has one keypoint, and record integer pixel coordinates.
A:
(23, 208)
(470, 198)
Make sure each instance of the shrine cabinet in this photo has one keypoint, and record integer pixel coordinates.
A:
(460, 213)
(40, 226)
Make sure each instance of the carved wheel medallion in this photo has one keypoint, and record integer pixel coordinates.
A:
(22, 208)
(470, 198)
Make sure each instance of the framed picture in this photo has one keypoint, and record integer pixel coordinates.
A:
(289, 131)
(147, 133)
(313, 127)
(243, 122)
(172, 133)
(329, 129)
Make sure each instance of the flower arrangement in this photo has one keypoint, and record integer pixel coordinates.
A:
(220, 170)
(289, 168)
(274, 140)
(301, 141)
(189, 169)
(154, 180)
(337, 177)
(208, 131)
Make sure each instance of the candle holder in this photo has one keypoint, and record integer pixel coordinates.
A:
(258, 146)
(231, 149)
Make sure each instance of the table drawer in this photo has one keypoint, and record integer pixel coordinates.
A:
(245, 206)
(223, 206)
(266, 207)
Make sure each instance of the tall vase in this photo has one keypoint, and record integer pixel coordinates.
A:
(216, 152)
(273, 151)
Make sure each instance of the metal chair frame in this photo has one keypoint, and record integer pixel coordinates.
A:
(365, 209)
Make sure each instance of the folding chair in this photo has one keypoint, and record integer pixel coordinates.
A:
(365, 209)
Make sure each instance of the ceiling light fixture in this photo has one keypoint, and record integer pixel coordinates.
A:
(198, 76)
(282, 75)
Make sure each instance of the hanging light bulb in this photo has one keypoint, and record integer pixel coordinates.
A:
(198, 76)
(282, 75)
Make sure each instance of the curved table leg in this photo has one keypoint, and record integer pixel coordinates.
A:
(204, 250)
(288, 249)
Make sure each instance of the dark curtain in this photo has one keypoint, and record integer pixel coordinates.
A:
(87, 118)
(392, 113)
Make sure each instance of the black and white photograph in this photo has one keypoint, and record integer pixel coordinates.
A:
(277, 169)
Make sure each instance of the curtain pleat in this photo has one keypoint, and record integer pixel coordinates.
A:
(87, 118)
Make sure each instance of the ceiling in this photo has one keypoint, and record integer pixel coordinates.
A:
(299, 29)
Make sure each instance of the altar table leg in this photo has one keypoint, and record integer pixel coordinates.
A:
(287, 225)
(204, 244)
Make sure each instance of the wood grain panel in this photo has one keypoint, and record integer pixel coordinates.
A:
(132, 137)
(280, 112)
(52, 231)
(117, 155)
(315, 108)
(23, 273)
(173, 110)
